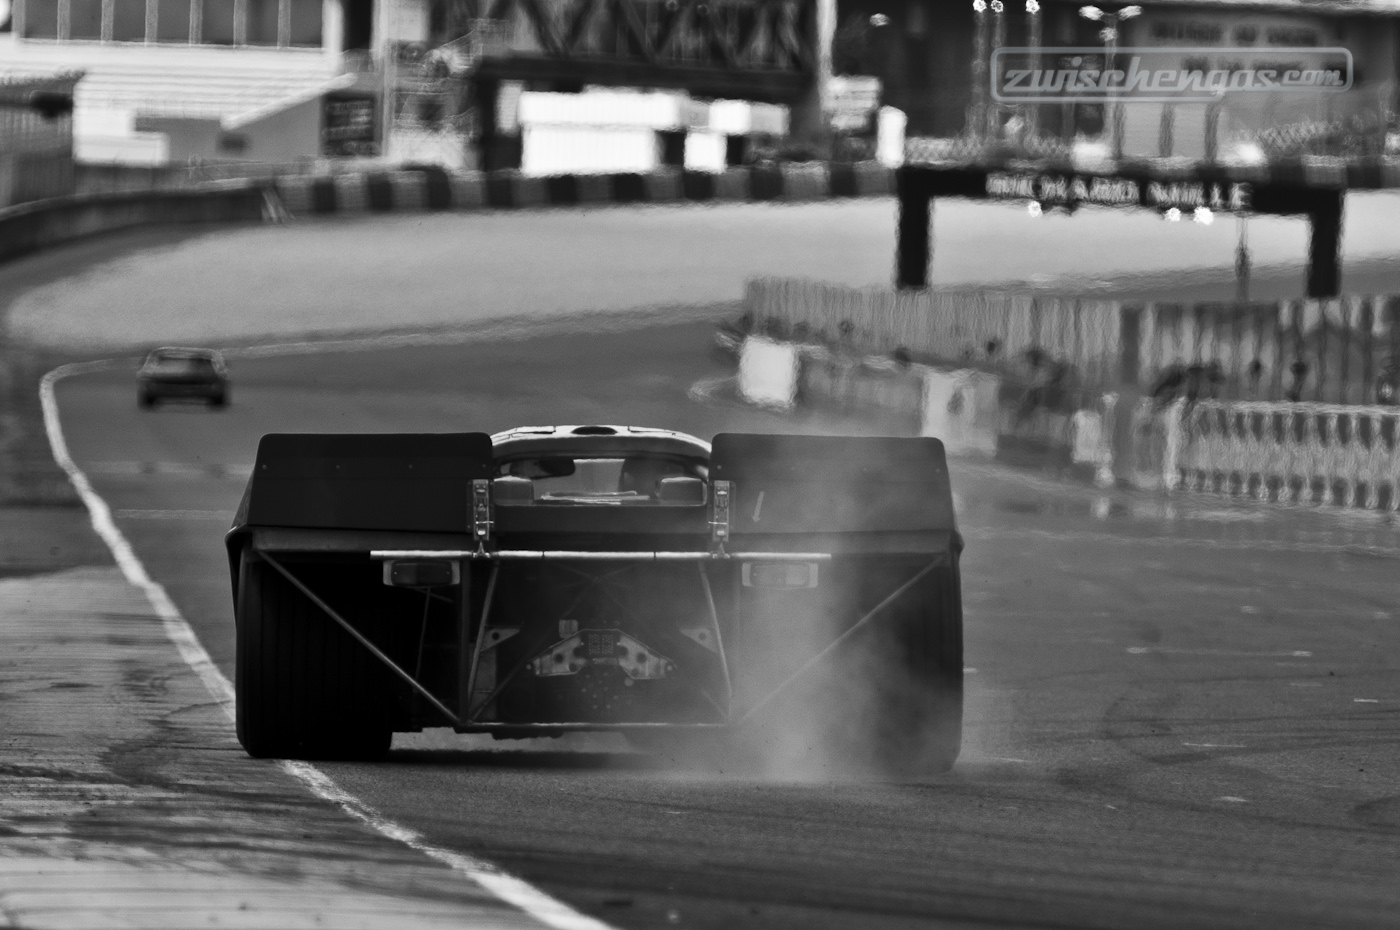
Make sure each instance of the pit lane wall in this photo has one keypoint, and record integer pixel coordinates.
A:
(1271, 401)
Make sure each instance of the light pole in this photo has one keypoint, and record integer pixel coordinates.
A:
(998, 40)
(1242, 260)
(1109, 35)
(1033, 40)
(977, 116)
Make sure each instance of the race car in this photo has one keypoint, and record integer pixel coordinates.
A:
(554, 579)
(184, 374)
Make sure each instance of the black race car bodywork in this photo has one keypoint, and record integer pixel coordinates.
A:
(586, 578)
(183, 374)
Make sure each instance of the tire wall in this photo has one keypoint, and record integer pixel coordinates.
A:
(306, 688)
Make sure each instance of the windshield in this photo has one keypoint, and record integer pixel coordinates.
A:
(633, 479)
(176, 365)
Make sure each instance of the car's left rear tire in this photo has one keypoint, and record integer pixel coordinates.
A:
(305, 688)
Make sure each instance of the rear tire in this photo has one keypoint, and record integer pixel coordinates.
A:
(145, 400)
(305, 688)
(919, 726)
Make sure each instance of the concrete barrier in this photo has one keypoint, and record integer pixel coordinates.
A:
(38, 225)
(850, 382)
(768, 372)
(1090, 441)
(961, 408)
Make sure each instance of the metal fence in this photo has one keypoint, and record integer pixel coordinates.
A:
(1312, 453)
(1339, 351)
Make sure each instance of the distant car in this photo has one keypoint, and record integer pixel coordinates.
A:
(183, 374)
(640, 581)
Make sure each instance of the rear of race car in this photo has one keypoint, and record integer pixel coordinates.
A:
(392, 583)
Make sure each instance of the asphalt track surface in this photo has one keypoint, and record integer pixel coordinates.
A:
(1182, 712)
(451, 269)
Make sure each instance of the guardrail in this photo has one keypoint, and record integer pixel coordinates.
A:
(1309, 453)
(43, 223)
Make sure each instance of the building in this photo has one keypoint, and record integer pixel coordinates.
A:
(251, 80)
(179, 81)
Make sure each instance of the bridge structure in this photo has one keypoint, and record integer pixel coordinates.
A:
(771, 51)
(1311, 187)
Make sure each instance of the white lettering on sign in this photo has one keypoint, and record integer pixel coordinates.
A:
(1214, 195)
(1010, 186)
(1116, 192)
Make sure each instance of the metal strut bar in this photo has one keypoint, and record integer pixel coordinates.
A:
(719, 636)
(480, 638)
(540, 643)
(768, 699)
(538, 555)
(501, 686)
(360, 638)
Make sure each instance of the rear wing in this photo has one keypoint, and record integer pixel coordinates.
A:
(768, 495)
(841, 492)
(406, 481)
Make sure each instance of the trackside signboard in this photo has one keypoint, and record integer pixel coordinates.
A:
(1164, 75)
(1051, 189)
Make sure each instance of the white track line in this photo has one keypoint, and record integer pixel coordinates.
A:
(517, 892)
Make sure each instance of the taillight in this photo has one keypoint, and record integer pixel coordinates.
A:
(780, 575)
(433, 574)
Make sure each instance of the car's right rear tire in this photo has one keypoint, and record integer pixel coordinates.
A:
(918, 730)
(145, 400)
(305, 688)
